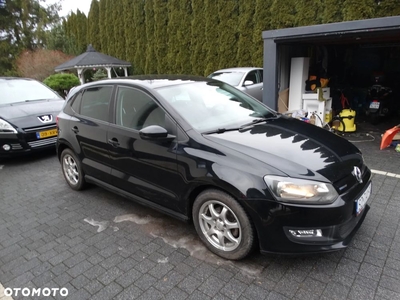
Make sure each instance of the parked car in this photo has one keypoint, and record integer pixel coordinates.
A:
(28, 111)
(246, 79)
(201, 150)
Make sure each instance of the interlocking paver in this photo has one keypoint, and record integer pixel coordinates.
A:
(132, 292)
(44, 241)
(168, 282)
(94, 286)
(108, 292)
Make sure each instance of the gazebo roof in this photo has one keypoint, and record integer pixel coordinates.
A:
(91, 58)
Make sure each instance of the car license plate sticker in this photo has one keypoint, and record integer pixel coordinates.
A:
(374, 105)
(46, 133)
(362, 201)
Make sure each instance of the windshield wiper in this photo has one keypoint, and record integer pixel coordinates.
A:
(33, 100)
(243, 127)
(221, 130)
(257, 121)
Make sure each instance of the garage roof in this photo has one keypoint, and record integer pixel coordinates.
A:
(361, 31)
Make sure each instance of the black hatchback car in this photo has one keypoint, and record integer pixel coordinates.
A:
(202, 151)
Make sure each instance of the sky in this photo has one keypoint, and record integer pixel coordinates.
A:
(73, 5)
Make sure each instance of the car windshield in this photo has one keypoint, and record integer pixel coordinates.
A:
(233, 78)
(20, 90)
(209, 106)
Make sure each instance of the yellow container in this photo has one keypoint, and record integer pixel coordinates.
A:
(347, 117)
(328, 115)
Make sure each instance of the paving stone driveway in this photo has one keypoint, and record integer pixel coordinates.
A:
(101, 246)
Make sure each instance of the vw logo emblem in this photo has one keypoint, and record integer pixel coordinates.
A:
(45, 118)
(357, 174)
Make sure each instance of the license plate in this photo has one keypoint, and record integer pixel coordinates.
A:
(374, 105)
(46, 133)
(362, 201)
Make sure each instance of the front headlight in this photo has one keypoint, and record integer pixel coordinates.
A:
(6, 127)
(295, 190)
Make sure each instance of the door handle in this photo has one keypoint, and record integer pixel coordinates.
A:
(75, 129)
(113, 142)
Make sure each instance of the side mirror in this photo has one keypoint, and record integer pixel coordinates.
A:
(248, 82)
(155, 132)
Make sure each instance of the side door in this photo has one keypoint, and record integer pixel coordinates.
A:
(145, 168)
(89, 125)
(256, 88)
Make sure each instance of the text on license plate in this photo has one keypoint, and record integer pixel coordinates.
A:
(362, 201)
(46, 133)
(374, 105)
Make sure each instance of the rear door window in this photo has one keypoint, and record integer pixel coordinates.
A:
(95, 102)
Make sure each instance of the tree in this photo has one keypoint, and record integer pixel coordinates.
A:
(93, 35)
(308, 13)
(129, 33)
(211, 42)
(245, 46)
(151, 65)
(75, 26)
(388, 8)
(99, 75)
(160, 35)
(358, 9)
(101, 25)
(183, 63)
(262, 22)
(108, 22)
(23, 25)
(172, 31)
(119, 30)
(228, 31)
(40, 63)
(198, 33)
(283, 13)
(332, 11)
(139, 25)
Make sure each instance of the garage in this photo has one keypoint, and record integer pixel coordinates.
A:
(358, 61)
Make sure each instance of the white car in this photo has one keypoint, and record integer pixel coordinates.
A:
(246, 79)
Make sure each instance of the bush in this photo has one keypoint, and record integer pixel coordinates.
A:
(62, 83)
(99, 75)
(40, 63)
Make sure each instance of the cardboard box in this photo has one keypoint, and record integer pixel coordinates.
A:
(283, 101)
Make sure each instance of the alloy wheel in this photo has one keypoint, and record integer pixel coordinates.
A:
(70, 169)
(220, 225)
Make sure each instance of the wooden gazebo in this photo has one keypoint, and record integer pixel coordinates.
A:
(93, 59)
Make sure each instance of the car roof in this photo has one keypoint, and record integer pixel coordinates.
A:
(239, 69)
(16, 78)
(150, 81)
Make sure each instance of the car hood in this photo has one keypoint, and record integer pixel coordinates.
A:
(296, 148)
(25, 114)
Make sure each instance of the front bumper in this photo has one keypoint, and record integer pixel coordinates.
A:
(21, 144)
(301, 229)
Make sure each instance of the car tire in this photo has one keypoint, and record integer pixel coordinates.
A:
(72, 170)
(223, 225)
